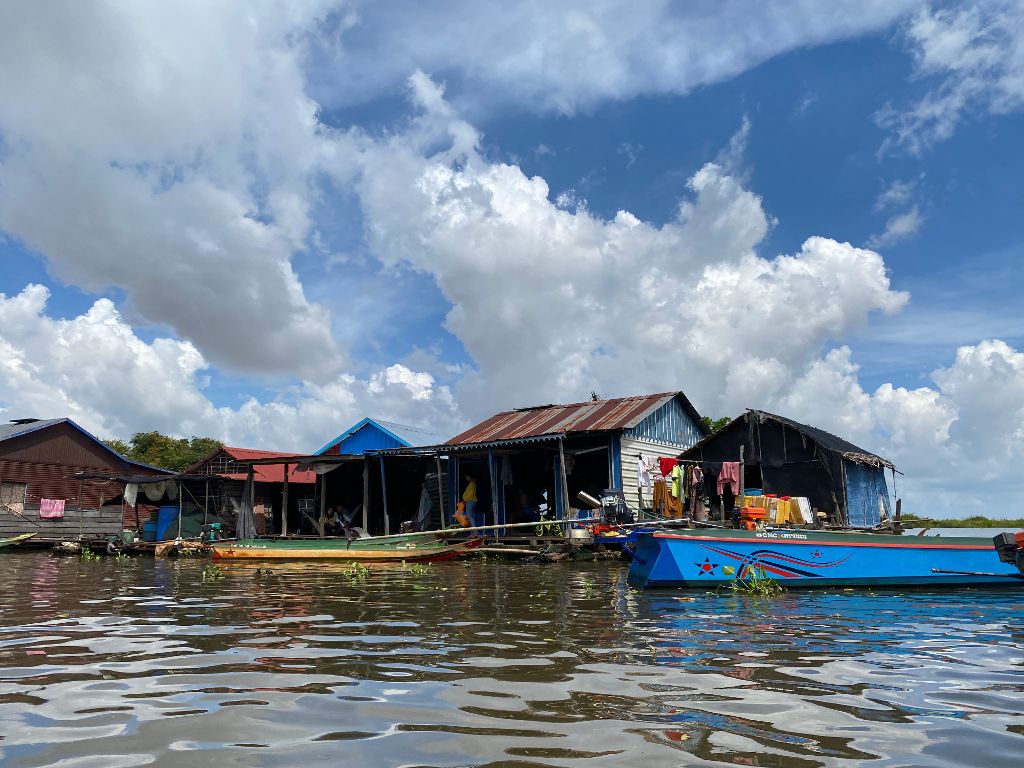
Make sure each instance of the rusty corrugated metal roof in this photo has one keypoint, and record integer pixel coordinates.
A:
(591, 416)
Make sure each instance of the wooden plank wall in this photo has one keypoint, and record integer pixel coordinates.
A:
(92, 522)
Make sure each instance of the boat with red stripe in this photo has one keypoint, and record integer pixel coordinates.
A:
(711, 557)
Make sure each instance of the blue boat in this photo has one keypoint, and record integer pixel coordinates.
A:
(801, 558)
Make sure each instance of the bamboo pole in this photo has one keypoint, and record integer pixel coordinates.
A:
(181, 501)
(565, 480)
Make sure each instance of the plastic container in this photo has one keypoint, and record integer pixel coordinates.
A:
(167, 522)
(149, 530)
(752, 492)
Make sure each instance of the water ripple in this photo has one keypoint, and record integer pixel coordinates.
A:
(490, 664)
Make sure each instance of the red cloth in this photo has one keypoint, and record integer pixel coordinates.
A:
(729, 476)
(667, 465)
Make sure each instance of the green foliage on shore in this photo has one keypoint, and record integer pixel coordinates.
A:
(714, 425)
(160, 450)
(967, 522)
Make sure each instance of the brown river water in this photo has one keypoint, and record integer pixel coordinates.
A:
(488, 663)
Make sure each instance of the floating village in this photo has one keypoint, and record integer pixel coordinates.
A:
(640, 478)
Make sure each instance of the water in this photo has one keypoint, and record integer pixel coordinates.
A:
(491, 664)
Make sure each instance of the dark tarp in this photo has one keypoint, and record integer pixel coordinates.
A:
(798, 460)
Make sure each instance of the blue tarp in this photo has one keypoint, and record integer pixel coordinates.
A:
(866, 494)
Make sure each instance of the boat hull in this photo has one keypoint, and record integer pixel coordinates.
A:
(423, 549)
(15, 540)
(705, 558)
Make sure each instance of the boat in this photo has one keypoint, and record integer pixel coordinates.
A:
(794, 557)
(1010, 547)
(408, 547)
(15, 540)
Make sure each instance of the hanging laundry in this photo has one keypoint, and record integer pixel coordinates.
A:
(131, 492)
(677, 481)
(729, 477)
(666, 466)
(51, 509)
(643, 473)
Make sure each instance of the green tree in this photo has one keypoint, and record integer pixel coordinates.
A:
(714, 425)
(160, 450)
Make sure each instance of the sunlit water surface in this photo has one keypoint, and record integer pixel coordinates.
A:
(484, 663)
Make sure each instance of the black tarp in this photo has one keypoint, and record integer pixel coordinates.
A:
(794, 459)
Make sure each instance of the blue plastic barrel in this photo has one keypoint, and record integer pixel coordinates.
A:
(149, 531)
(167, 522)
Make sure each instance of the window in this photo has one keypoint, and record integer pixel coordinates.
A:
(12, 497)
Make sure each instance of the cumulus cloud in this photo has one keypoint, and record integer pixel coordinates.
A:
(958, 441)
(569, 56)
(95, 369)
(552, 301)
(972, 55)
(168, 151)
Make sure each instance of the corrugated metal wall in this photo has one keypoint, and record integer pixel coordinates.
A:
(666, 432)
(631, 450)
(669, 425)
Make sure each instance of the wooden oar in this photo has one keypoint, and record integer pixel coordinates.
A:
(978, 573)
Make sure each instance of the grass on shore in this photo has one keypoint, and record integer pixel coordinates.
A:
(966, 522)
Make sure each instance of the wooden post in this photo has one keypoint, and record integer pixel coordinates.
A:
(440, 489)
(181, 499)
(323, 504)
(384, 493)
(743, 467)
(565, 483)
(494, 487)
(284, 503)
(81, 512)
(206, 503)
(366, 494)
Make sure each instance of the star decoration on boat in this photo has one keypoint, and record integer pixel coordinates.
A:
(707, 567)
(816, 553)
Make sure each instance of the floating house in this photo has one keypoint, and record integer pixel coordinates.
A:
(40, 492)
(276, 486)
(377, 435)
(528, 458)
(787, 458)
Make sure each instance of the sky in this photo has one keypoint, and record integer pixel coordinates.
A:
(263, 221)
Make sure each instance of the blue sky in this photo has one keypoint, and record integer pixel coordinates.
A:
(303, 217)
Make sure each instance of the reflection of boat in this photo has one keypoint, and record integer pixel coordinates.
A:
(1010, 547)
(15, 540)
(414, 546)
(808, 558)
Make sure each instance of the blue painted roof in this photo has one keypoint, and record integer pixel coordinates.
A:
(10, 431)
(374, 434)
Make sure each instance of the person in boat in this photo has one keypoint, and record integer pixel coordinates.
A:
(469, 497)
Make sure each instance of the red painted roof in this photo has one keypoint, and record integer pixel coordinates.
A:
(268, 473)
(591, 416)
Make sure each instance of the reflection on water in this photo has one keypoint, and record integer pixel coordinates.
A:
(496, 664)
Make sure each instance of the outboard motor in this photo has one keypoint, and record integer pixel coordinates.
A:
(1010, 547)
(613, 507)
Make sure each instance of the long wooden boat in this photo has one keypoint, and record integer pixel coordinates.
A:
(704, 557)
(15, 540)
(411, 547)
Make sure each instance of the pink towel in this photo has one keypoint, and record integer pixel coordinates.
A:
(729, 476)
(51, 509)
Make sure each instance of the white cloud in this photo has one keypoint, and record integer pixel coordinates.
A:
(974, 55)
(959, 441)
(898, 227)
(168, 151)
(95, 369)
(569, 56)
(552, 301)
